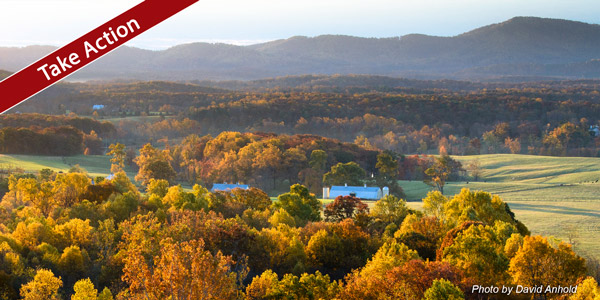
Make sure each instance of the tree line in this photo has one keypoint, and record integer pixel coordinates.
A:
(274, 162)
(455, 117)
(37, 134)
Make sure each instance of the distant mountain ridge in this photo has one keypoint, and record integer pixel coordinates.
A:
(521, 46)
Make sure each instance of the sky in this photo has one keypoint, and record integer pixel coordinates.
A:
(243, 22)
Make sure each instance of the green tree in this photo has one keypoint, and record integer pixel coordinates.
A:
(318, 160)
(312, 177)
(387, 166)
(349, 173)
(443, 289)
(390, 209)
(105, 295)
(300, 204)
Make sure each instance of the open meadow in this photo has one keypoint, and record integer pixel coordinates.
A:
(553, 196)
(95, 165)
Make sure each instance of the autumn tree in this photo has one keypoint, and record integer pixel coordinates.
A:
(154, 163)
(84, 290)
(182, 270)
(253, 198)
(480, 206)
(158, 187)
(474, 168)
(587, 289)
(192, 152)
(43, 286)
(514, 145)
(421, 233)
(538, 263)
(68, 187)
(443, 168)
(479, 252)
(434, 204)
(344, 207)
(305, 287)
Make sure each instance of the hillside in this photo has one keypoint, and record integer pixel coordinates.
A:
(550, 194)
(522, 46)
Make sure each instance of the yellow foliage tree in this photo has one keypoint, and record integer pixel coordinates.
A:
(43, 286)
(182, 270)
(538, 263)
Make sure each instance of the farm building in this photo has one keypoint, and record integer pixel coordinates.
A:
(594, 130)
(362, 192)
(224, 187)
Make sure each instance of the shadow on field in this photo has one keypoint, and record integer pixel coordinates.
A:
(556, 209)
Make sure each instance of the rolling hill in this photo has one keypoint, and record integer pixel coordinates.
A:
(552, 195)
(522, 46)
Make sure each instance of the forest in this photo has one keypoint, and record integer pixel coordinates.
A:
(69, 236)
(403, 116)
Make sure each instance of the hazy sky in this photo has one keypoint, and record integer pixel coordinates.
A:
(26, 22)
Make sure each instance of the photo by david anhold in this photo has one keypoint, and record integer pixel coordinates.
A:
(304, 150)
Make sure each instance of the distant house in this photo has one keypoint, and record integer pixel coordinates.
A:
(594, 130)
(362, 192)
(110, 177)
(98, 107)
(225, 187)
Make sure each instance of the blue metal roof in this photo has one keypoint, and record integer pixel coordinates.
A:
(354, 189)
(227, 187)
(361, 192)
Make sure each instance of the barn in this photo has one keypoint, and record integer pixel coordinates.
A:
(225, 187)
(362, 192)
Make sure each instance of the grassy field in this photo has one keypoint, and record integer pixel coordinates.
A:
(95, 165)
(549, 194)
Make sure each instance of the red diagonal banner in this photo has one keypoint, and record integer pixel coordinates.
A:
(74, 56)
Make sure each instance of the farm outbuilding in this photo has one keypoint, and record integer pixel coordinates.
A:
(362, 192)
(225, 187)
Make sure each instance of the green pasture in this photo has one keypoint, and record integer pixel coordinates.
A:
(95, 165)
(553, 196)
